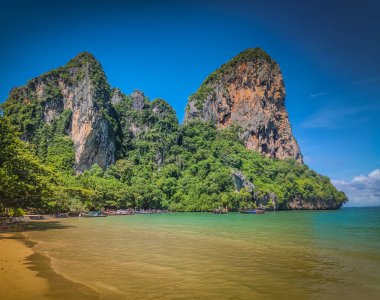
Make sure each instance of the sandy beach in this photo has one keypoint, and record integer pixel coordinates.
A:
(17, 279)
(26, 274)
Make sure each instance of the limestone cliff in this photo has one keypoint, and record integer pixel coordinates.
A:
(80, 87)
(74, 120)
(248, 91)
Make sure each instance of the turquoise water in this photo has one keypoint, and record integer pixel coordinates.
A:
(281, 255)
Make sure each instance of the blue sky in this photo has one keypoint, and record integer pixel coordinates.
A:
(328, 52)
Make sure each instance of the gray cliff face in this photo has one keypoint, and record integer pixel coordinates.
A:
(138, 100)
(117, 96)
(248, 91)
(75, 87)
(301, 204)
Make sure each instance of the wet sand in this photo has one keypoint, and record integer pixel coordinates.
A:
(17, 280)
(25, 274)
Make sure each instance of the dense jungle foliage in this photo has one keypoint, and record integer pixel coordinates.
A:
(182, 168)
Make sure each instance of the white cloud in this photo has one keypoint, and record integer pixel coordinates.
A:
(362, 190)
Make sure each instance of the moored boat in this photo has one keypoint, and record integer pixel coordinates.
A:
(119, 212)
(94, 214)
(252, 211)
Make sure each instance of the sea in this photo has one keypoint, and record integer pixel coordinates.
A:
(276, 255)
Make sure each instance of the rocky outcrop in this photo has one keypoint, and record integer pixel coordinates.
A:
(319, 204)
(116, 97)
(138, 100)
(248, 91)
(81, 87)
(240, 181)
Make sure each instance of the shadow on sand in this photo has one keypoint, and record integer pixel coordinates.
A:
(32, 226)
(60, 287)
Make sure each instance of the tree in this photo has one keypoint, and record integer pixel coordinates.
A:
(24, 181)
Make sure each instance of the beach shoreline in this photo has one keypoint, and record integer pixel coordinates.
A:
(27, 274)
(17, 280)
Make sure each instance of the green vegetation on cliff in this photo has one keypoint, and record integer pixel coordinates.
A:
(195, 174)
(158, 162)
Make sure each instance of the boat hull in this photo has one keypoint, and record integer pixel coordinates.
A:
(252, 212)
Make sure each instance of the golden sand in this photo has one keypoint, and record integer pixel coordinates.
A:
(27, 274)
(17, 280)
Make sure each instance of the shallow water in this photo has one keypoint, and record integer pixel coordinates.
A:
(282, 255)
